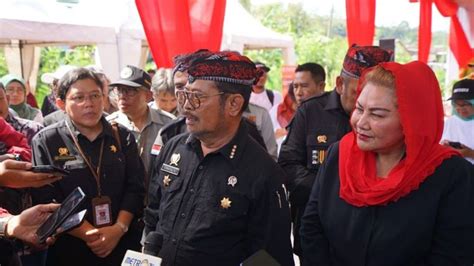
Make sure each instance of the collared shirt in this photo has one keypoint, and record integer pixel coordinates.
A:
(262, 99)
(220, 208)
(145, 138)
(121, 172)
(178, 126)
(121, 179)
(261, 118)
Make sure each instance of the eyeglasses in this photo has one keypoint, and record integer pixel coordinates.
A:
(194, 98)
(14, 90)
(128, 92)
(462, 105)
(80, 99)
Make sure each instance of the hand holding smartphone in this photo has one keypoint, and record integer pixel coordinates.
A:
(455, 144)
(50, 169)
(63, 217)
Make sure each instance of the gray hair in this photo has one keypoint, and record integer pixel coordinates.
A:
(163, 81)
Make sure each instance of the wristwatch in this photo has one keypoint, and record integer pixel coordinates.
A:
(3, 226)
(123, 227)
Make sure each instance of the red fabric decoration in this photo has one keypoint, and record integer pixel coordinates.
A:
(360, 21)
(421, 116)
(447, 8)
(424, 30)
(459, 44)
(181, 26)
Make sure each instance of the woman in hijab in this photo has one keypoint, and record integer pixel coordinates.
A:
(388, 192)
(16, 91)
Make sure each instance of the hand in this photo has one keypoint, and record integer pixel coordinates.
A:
(444, 142)
(15, 174)
(466, 151)
(24, 225)
(4, 157)
(108, 238)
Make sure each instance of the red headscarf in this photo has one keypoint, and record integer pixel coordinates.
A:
(286, 108)
(421, 116)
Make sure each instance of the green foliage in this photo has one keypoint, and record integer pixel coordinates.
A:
(322, 40)
(314, 48)
(311, 44)
(272, 58)
(53, 57)
(3, 63)
(247, 4)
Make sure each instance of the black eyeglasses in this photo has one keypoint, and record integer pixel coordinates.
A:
(128, 91)
(80, 99)
(194, 98)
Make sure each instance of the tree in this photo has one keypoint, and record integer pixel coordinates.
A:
(311, 44)
(52, 57)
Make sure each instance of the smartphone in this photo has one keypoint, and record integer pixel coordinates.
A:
(50, 169)
(61, 214)
(454, 144)
(72, 222)
(260, 257)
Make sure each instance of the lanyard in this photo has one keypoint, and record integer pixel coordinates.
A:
(95, 173)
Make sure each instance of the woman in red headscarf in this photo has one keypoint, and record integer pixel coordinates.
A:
(389, 193)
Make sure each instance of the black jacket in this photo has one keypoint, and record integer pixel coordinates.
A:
(122, 174)
(432, 225)
(318, 122)
(218, 209)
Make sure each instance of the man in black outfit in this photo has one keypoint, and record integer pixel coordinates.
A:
(216, 196)
(319, 122)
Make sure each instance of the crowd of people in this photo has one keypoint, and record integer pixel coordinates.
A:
(203, 164)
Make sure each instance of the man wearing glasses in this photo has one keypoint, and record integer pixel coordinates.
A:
(216, 196)
(133, 92)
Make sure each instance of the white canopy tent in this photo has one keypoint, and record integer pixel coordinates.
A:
(114, 26)
(243, 31)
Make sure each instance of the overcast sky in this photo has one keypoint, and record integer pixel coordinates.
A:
(388, 12)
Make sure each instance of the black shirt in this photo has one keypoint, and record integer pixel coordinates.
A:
(432, 225)
(121, 172)
(218, 209)
(318, 122)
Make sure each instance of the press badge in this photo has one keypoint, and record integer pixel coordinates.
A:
(102, 211)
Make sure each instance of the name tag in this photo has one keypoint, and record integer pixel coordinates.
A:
(170, 169)
(78, 163)
(133, 258)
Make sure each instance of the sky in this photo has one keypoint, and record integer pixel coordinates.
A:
(388, 12)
